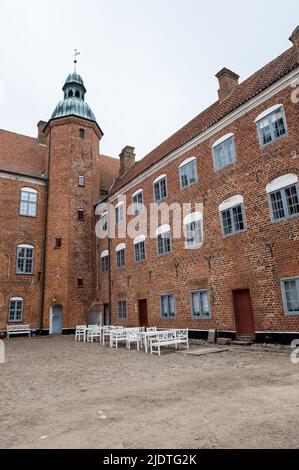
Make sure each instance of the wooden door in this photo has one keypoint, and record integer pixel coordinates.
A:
(243, 313)
(143, 319)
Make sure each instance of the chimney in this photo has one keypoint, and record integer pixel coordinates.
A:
(41, 138)
(295, 38)
(127, 159)
(228, 81)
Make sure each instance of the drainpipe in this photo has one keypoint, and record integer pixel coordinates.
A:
(110, 289)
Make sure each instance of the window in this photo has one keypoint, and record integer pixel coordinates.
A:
(58, 243)
(137, 199)
(28, 202)
(188, 172)
(105, 261)
(80, 215)
(167, 306)
(15, 313)
(271, 125)
(120, 255)
(163, 240)
(224, 153)
(193, 227)
(119, 213)
(232, 216)
(71, 94)
(81, 181)
(139, 246)
(284, 197)
(122, 309)
(80, 282)
(77, 94)
(200, 305)
(104, 222)
(82, 134)
(25, 258)
(290, 291)
(160, 189)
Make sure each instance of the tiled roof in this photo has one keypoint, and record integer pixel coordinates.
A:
(21, 154)
(246, 90)
(109, 171)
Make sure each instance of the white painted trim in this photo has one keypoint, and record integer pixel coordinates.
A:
(24, 179)
(231, 202)
(282, 182)
(104, 254)
(139, 239)
(222, 139)
(121, 203)
(104, 214)
(25, 246)
(16, 299)
(268, 111)
(137, 192)
(188, 160)
(29, 190)
(161, 177)
(193, 217)
(121, 246)
(265, 95)
(163, 229)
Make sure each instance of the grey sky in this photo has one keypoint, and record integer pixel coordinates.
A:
(148, 65)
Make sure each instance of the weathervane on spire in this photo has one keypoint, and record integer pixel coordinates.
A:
(75, 59)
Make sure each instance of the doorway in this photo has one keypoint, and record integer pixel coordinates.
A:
(142, 309)
(243, 313)
(56, 320)
(106, 315)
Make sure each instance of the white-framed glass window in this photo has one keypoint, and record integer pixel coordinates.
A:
(224, 152)
(137, 199)
(139, 248)
(122, 309)
(188, 172)
(119, 213)
(81, 181)
(160, 188)
(163, 240)
(232, 216)
(105, 261)
(290, 292)
(28, 202)
(15, 313)
(120, 255)
(193, 229)
(200, 304)
(167, 306)
(104, 222)
(283, 193)
(25, 259)
(271, 125)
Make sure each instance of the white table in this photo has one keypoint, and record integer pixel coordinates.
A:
(144, 337)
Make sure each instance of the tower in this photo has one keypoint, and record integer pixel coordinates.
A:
(73, 188)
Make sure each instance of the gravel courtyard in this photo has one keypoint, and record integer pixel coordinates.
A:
(55, 393)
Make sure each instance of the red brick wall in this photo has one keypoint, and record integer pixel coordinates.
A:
(222, 264)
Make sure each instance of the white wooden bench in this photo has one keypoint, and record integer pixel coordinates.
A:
(18, 330)
(168, 338)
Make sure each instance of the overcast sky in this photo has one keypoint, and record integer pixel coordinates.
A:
(149, 65)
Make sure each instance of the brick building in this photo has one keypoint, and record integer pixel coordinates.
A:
(238, 161)
(234, 268)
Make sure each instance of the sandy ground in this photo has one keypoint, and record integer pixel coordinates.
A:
(55, 393)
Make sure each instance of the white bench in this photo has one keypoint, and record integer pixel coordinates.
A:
(18, 330)
(168, 338)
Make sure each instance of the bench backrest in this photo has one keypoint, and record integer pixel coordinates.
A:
(18, 328)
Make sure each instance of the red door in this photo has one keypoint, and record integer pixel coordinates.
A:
(243, 313)
(143, 320)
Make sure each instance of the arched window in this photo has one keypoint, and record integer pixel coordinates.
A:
(28, 202)
(104, 222)
(25, 259)
(163, 240)
(139, 248)
(224, 152)
(284, 197)
(137, 199)
(119, 212)
(232, 215)
(15, 313)
(188, 172)
(271, 124)
(77, 94)
(160, 188)
(193, 229)
(120, 255)
(71, 94)
(105, 261)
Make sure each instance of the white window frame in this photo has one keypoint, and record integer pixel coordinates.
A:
(27, 204)
(158, 181)
(229, 205)
(137, 205)
(120, 315)
(186, 165)
(119, 213)
(285, 303)
(221, 142)
(104, 256)
(24, 259)
(193, 218)
(164, 232)
(81, 181)
(264, 117)
(16, 299)
(168, 317)
(201, 316)
(281, 185)
(137, 242)
(121, 255)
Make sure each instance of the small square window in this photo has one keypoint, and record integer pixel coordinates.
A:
(80, 282)
(58, 243)
(81, 181)
(82, 133)
(80, 215)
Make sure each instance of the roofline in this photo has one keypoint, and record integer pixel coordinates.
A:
(19, 134)
(24, 175)
(76, 116)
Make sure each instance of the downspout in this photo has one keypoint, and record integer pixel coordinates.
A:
(110, 289)
(45, 238)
